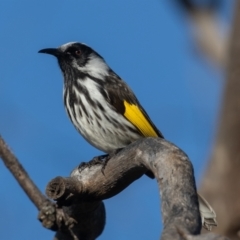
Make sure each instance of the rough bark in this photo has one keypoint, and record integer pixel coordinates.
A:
(170, 166)
(79, 212)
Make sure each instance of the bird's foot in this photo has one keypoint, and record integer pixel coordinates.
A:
(102, 159)
(107, 157)
(95, 161)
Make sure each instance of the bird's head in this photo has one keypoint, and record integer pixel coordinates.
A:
(74, 56)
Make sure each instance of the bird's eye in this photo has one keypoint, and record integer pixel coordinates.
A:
(78, 52)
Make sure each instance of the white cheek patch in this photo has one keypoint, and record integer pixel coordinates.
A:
(95, 66)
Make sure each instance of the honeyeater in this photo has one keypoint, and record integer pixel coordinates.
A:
(101, 105)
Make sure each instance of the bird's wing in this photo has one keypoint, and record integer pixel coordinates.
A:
(138, 117)
(125, 102)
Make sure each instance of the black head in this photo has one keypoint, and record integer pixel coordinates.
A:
(77, 61)
(74, 54)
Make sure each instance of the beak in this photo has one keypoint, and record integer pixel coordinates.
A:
(52, 51)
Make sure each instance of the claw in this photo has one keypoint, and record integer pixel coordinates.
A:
(103, 160)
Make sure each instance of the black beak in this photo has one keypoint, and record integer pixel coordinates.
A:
(52, 51)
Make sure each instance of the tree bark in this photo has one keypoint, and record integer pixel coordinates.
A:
(172, 169)
(79, 213)
(221, 184)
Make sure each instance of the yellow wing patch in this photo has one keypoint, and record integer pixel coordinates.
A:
(134, 114)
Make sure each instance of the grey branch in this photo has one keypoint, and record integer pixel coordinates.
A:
(51, 215)
(17, 170)
(173, 172)
(79, 212)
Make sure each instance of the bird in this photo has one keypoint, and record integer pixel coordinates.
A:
(103, 108)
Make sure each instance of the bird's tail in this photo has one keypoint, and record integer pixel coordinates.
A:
(208, 215)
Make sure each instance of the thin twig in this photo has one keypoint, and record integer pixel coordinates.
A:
(20, 174)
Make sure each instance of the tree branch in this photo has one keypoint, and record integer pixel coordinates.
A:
(221, 183)
(52, 216)
(172, 169)
(17, 170)
(79, 212)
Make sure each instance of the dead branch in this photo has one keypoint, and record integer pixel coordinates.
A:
(79, 212)
(51, 215)
(17, 170)
(174, 175)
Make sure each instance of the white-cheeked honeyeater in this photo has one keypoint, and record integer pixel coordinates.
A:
(101, 105)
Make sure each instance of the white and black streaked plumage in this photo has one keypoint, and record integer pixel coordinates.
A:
(94, 98)
(102, 107)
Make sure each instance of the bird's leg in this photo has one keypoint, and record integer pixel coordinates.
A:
(108, 157)
(93, 162)
(102, 159)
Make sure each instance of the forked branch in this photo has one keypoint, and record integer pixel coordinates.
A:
(79, 212)
(174, 174)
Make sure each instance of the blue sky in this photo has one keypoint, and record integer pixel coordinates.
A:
(148, 44)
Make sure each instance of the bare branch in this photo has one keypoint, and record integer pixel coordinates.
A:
(52, 216)
(170, 166)
(14, 166)
(79, 212)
